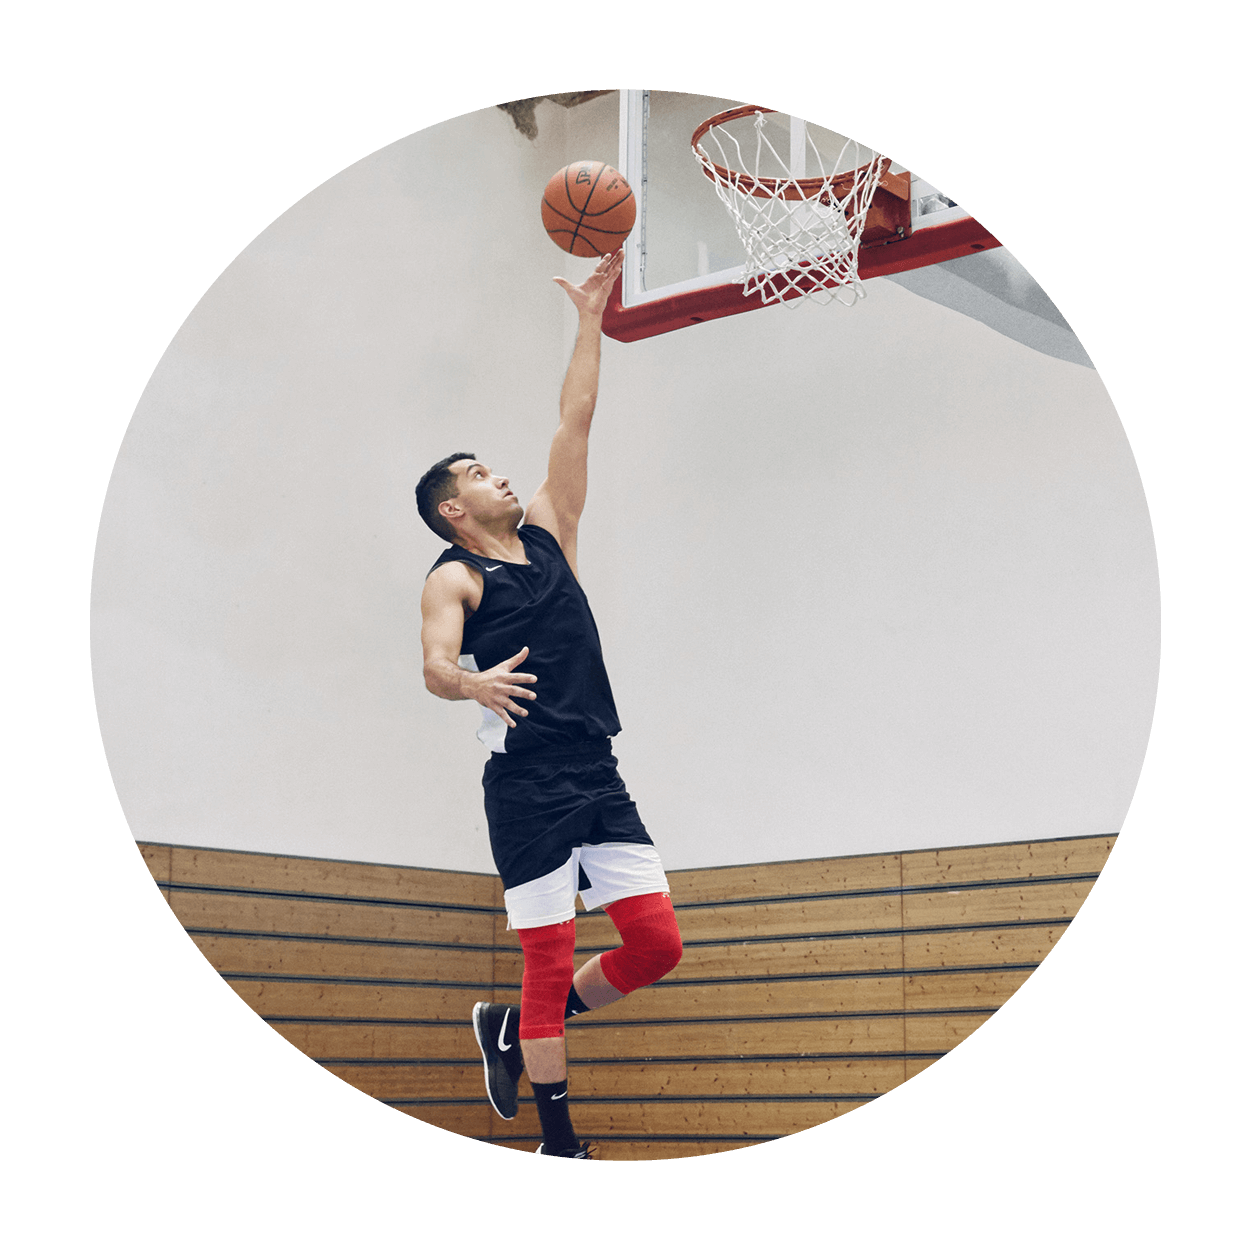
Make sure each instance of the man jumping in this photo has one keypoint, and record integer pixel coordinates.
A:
(503, 596)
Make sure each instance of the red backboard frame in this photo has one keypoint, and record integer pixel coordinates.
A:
(925, 245)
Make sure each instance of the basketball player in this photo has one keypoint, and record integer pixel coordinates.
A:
(505, 623)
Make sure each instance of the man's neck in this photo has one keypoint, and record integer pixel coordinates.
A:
(502, 545)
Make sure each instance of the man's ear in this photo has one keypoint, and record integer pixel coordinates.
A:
(450, 508)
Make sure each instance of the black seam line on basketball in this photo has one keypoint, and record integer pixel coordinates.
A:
(373, 902)
(582, 212)
(620, 234)
(559, 212)
(608, 208)
(886, 891)
(590, 191)
(333, 979)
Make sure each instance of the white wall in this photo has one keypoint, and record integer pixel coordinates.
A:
(867, 578)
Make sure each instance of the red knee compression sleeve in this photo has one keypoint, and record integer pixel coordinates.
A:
(650, 942)
(546, 978)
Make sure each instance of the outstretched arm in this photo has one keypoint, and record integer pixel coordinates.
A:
(557, 505)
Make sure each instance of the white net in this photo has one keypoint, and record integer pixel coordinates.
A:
(801, 234)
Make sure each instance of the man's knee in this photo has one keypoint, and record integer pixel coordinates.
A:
(651, 942)
(545, 979)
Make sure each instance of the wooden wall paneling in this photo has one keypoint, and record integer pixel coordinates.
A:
(287, 933)
(805, 989)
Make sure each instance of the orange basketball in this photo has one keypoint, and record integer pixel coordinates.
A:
(588, 209)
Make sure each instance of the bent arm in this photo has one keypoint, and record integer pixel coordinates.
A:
(450, 591)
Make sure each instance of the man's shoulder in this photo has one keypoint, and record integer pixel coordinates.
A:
(451, 585)
(452, 555)
(453, 568)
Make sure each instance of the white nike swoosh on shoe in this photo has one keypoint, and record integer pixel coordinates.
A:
(503, 1046)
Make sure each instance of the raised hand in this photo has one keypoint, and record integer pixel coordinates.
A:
(498, 689)
(590, 298)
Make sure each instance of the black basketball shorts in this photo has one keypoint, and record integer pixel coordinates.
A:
(562, 823)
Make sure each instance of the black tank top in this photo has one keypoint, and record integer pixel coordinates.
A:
(541, 606)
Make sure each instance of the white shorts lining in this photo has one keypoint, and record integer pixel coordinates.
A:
(615, 870)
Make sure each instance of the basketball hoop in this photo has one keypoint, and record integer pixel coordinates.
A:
(802, 235)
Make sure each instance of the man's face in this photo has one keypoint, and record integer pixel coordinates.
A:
(482, 496)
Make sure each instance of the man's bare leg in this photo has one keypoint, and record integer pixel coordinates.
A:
(593, 988)
(545, 1059)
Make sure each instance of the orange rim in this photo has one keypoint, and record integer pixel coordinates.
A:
(769, 188)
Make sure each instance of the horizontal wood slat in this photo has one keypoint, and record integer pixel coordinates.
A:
(1056, 858)
(386, 1040)
(795, 877)
(311, 959)
(253, 871)
(810, 1033)
(1031, 902)
(806, 988)
(333, 999)
(284, 915)
(647, 1148)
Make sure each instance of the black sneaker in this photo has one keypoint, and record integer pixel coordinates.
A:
(581, 1153)
(495, 1028)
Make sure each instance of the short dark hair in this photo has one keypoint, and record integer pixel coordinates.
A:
(437, 484)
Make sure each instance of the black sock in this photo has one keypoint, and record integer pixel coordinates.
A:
(552, 1100)
(574, 1004)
